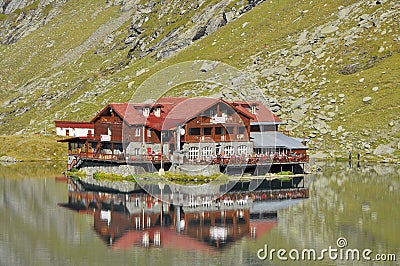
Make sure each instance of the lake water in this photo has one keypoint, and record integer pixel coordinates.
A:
(358, 204)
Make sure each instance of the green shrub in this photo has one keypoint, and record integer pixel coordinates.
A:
(285, 173)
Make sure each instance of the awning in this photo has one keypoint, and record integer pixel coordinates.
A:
(274, 139)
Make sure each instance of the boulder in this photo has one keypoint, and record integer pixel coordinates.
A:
(298, 115)
(367, 99)
(208, 66)
(298, 103)
(329, 29)
(6, 158)
(383, 149)
(296, 61)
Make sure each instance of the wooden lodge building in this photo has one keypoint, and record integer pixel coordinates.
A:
(175, 130)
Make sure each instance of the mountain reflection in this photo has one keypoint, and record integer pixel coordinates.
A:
(187, 222)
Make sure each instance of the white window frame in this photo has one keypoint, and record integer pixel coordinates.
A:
(146, 111)
(242, 150)
(229, 150)
(206, 152)
(157, 111)
(149, 132)
(193, 153)
(137, 132)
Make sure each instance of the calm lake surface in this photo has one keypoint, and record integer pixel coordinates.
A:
(359, 204)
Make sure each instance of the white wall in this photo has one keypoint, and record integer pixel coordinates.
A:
(73, 132)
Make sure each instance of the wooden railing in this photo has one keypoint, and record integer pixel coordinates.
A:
(123, 157)
(248, 159)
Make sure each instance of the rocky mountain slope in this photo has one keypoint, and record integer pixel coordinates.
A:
(330, 69)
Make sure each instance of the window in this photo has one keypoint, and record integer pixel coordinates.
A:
(228, 150)
(193, 153)
(241, 130)
(219, 131)
(146, 111)
(253, 109)
(157, 112)
(255, 128)
(137, 131)
(149, 132)
(229, 130)
(241, 133)
(137, 151)
(206, 152)
(194, 131)
(242, 150)
(207, 131)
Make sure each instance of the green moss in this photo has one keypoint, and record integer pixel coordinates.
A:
(113, 177)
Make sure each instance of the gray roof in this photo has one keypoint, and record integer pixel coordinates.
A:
(272, 139)
(266, 123)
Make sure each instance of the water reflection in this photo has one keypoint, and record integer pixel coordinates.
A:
(187, 222)
(360, 204)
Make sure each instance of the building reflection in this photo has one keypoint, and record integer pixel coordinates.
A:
(139, 219)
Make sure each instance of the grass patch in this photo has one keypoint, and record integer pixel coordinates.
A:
(33, 147)
(285, 173)
(150, 178)
(180, 178)
(113, 177)
(75, 174)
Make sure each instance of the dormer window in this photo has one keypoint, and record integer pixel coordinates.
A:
(253, 109)
(146, 111)
(157, 111)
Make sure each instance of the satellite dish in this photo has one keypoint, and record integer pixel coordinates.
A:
(182, 131)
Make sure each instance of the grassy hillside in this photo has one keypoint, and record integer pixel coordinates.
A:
(330, 54)
(33, 147)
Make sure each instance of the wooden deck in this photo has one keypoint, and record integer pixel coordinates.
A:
(232, 165)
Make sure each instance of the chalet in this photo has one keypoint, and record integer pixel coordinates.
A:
(184, 130)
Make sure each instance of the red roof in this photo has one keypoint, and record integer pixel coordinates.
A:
(186, 110)
(73, 124)
(262, 115)
(178, 110)
(130, 115)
